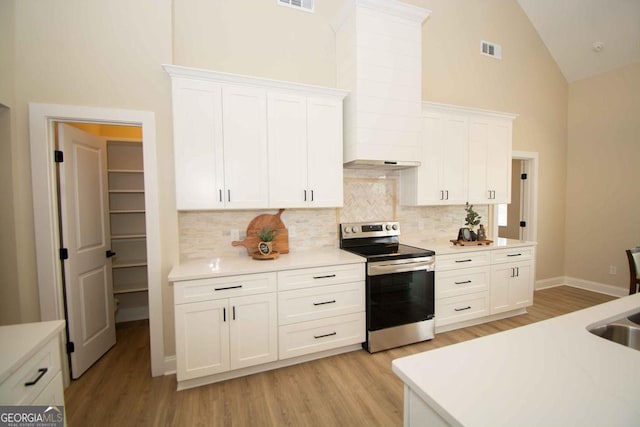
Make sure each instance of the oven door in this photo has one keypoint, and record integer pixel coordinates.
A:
(399, 292)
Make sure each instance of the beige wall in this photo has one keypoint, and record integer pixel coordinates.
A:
(603, 191)
(527, 82)
(10, 309)
(95, 53)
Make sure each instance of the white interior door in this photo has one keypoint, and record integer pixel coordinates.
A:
(85, 234)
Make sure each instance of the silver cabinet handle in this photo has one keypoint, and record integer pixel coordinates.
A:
(514, 254)
(228, 195)
(220, 194)
(305, 195)
(462, 309)
(463, 260)
(312, 195)
(463, 283)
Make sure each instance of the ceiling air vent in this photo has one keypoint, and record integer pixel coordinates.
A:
(306, 5)
(491, 49)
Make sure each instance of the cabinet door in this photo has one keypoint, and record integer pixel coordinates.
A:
(197, 144)
(453, 175)
(245, 147)
(287, 123)
(489, 161)
(202, 339)
(442, 177)
(324, 139)
(511, 286)
(254, 330)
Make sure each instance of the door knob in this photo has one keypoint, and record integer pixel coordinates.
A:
(110, 253)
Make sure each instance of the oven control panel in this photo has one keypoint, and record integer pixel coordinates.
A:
(369, 229)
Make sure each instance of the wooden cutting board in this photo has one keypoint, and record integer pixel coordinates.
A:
(280, 243)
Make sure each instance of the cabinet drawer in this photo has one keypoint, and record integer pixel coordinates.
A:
(511, 255)
(320, 302)
(462, 281)
(13, 390)
(462, 260)
(223, 287)
(460, 308)
(319, 335)
(320, 276)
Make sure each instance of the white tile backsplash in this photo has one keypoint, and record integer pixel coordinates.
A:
(369, 195)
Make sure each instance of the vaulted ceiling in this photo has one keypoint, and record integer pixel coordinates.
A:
(587, 37)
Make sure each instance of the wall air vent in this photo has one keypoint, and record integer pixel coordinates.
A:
(491, 49)
(306, 5)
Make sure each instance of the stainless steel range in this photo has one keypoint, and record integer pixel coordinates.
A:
(399, 287)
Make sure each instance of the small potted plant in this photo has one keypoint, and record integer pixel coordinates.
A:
(471, 220)
(266, 236)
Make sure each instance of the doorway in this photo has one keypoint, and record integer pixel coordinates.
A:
(41, 122)
(518, 220)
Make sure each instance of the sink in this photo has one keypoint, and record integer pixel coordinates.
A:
(625, 331)
(635, 318)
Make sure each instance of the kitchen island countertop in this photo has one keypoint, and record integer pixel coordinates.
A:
(244, 264)
(549, 373)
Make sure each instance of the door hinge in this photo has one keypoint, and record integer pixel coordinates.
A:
(64, 253)
(523, 176)
(71, 347)
(58, 157)
(523, 223)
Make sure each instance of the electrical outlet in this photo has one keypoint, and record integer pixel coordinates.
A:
(235, 234)
(420, 225)
(613, 270)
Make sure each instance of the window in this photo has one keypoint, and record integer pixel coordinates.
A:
(306, 5)
(502, 215)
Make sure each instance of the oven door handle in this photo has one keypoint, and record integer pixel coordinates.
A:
(378, 269)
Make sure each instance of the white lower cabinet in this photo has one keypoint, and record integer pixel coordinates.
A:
(472, 285)
(225, 325)
(219, 335)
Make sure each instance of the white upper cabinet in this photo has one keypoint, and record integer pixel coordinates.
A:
(245, 148)
(198, 144)
(442, 177)
(465, 156)
(248, 143)
(305, 151)
(490, 160)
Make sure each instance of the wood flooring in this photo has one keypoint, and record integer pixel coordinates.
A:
(353, 389)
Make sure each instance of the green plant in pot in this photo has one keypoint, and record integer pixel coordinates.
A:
(266, 236)
(471, 220)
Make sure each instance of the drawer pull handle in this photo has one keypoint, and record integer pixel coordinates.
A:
(325, 302)
(463, 283)
(325, 335)
(514, 254)
(41, 371)
(462, 309)
(324, 277)
(228, 287)
(463, 260)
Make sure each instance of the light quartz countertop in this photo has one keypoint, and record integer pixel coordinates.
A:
(234, 265)
(550, 373)
(20, 342)
(443, 248)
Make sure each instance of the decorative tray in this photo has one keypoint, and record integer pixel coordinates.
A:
(473, 243)
(272, 255)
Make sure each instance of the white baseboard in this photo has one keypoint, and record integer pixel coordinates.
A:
(614, 291)
(170, 365)
(550, 283)
(601, 288)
